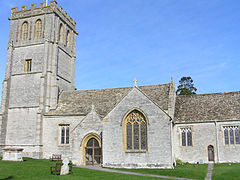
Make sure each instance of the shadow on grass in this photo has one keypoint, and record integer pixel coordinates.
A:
(9, 177)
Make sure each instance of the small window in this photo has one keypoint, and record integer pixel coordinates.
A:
(231, 135)
(28, 65)
(64, 134)
(186, 136)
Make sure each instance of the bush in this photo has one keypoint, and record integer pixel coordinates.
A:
(179, 162)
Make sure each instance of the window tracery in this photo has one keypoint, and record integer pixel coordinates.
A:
(136, 131)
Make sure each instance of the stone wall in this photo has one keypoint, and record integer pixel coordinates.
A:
(51, 135)
(203, 135)
(159, 151)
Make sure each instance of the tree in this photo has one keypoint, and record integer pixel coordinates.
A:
(186, 86)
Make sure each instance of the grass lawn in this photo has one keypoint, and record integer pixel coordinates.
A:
(40, 169)
(193, 171)
(226, 171)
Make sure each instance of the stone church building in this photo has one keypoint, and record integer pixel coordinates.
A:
(130, 127)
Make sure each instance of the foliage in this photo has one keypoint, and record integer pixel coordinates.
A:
(226, 171)
(179, 162)
(186, 86)
(186, 170)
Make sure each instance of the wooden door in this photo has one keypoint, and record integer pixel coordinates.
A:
(93, 152)
(210, 153)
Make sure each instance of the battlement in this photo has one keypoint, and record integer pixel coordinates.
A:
(53, 5)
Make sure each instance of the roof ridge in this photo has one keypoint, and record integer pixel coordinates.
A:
(233, 92)
(85, 90)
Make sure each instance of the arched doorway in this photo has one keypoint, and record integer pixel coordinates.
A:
(92, 151)
(210, 153)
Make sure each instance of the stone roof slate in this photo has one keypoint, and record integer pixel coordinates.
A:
(207, 107)
(80, 102)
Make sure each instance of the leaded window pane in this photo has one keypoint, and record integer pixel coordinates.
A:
(90, 143)
(62, 135)
(129, 136)
(136, 135)
(143, 136)
(231, 136)
(226, 138)
(95, 143)
(237, 136)
(67, 135)
(189, 138)
(183, 138)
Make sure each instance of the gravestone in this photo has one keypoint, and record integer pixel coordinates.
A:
(65, 167)
(12, 154)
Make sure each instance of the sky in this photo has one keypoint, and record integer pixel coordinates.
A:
(150, 40)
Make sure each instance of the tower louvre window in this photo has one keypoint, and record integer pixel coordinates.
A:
(24, 31)
(38, 29)
(28, 65)
(68, 39)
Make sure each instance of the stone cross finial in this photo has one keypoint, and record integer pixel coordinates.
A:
(135, 82)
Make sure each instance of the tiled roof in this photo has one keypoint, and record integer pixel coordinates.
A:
(80, 102)
(207, 107)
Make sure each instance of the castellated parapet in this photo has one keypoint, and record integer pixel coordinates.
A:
(42, 9)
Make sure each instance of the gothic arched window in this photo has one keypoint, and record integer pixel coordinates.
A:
(135, 128)
(38, 29)
(60, 37)
(24, 31)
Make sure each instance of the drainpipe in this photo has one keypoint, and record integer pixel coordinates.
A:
(216, 130)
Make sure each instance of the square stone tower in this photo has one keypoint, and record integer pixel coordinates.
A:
(40, 64)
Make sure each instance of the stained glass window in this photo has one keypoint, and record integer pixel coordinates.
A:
(136, 131)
